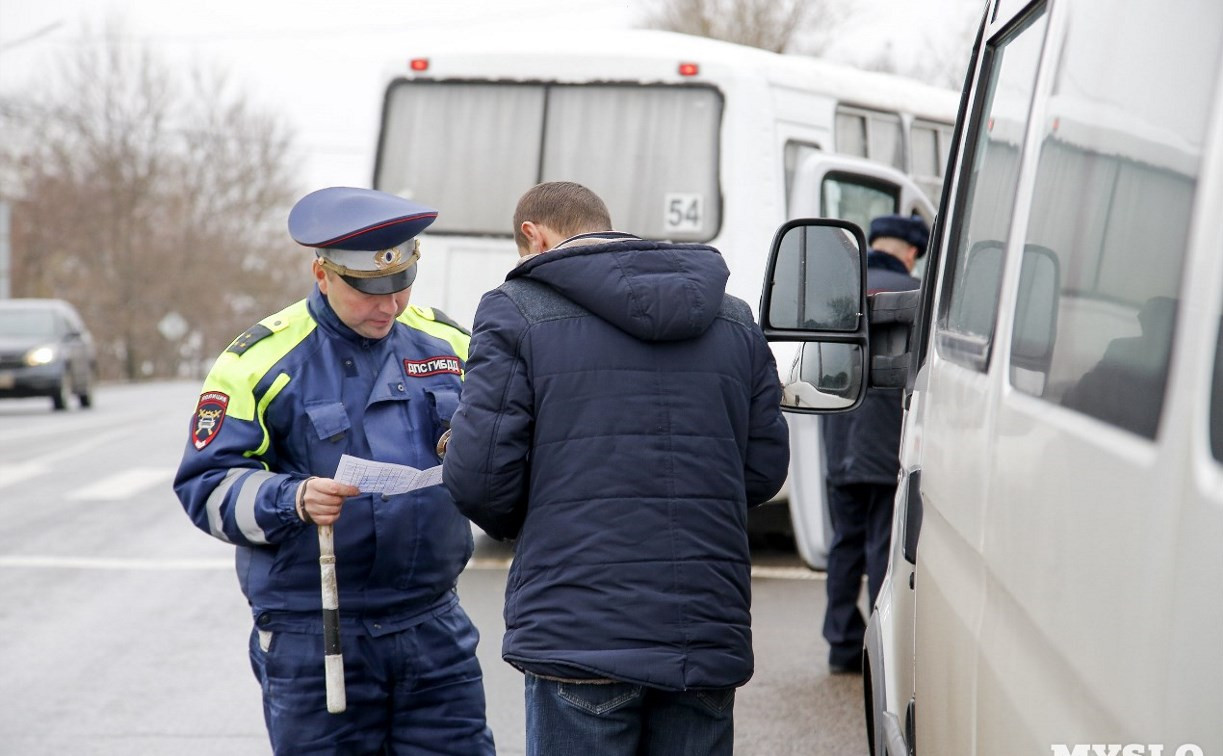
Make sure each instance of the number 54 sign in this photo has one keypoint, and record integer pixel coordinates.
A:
(683, 212)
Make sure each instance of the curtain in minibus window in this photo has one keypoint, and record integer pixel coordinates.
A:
(1112, 204)
(651, 153)
(469, 150)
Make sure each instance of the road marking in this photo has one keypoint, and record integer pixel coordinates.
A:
(787, 573)
(105, 563)
(44, 464)
(123, 485)
(11, 475)
(204, 563)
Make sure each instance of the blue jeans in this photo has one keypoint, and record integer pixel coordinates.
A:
(623, 719)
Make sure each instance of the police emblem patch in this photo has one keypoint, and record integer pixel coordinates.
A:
(209, 414)
(448, 364)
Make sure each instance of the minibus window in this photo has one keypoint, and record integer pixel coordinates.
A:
(925, 151)
(1112, 202)
(472, 148)
(854, 198)
(871, 134)
(977, 259)
(468, 149)
(651, 153)
(795, 153)
(851, 134)
(929, 146)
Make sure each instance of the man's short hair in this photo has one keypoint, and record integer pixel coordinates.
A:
(565, 207)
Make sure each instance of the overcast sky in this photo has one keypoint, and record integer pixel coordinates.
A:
(320, 62)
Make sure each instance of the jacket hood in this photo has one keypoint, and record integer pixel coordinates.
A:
(654, 291)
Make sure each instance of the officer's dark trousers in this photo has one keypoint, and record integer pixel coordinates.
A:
(862, 531)
(415, 691)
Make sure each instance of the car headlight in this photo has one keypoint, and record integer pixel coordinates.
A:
(40, 356)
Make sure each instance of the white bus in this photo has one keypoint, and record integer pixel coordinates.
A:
(685, 138)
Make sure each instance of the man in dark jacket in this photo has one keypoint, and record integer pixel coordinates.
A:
(619, 416)
(862, 450)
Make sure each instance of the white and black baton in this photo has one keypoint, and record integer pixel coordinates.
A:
(333, 659)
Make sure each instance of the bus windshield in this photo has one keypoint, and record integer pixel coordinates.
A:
(469, 148)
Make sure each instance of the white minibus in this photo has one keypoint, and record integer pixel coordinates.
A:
(1056, 578)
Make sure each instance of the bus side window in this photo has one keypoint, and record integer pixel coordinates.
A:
(856, 198)
(871, 134)
(977, 253)
(929, 148)
(851, 134)
(792, 156)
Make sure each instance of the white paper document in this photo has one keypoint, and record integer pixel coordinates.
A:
(385, 477)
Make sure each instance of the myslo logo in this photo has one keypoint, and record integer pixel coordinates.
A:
(1126, 749)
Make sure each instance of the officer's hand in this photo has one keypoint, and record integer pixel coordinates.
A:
(320, 499)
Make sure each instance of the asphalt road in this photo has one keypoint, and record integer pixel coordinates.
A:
(122, 629)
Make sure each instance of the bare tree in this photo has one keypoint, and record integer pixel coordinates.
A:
(812, 27)
(768, 24)
(944, 60)
(141, 197)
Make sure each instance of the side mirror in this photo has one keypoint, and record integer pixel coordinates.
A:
(824, 377)
(1036, 315)
(815, 292)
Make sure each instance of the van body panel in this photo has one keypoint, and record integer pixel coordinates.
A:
(1066, 408)
(1069, 560)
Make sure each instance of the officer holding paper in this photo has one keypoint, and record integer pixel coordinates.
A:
(351, 369)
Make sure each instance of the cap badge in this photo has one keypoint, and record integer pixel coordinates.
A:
(388, 258)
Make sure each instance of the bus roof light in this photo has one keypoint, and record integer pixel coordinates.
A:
(689, 69)
(419, 64)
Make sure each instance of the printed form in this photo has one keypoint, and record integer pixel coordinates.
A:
(385, 477)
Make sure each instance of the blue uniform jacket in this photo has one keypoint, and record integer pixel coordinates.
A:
(284, 402)
(863, 446)
(620, 415)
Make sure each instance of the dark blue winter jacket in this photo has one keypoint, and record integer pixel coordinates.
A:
(619, 416)
(285, 401)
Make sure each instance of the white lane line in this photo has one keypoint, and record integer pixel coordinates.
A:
(105, 563)
(202, 563)
(46, 463)
(11, 475)
(124, 484)
(787, 573)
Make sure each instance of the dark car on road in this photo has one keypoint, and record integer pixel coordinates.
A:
(45, 350)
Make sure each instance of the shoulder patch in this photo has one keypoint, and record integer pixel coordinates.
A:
(251, 336)
(442, 317)
(209, 415)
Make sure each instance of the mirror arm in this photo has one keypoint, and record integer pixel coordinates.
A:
(891, 315)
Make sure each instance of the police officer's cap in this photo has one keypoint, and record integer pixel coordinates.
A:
(909, 229)
(364, 236)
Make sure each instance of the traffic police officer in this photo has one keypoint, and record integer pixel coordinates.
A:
(862, 451)
(351, 369)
